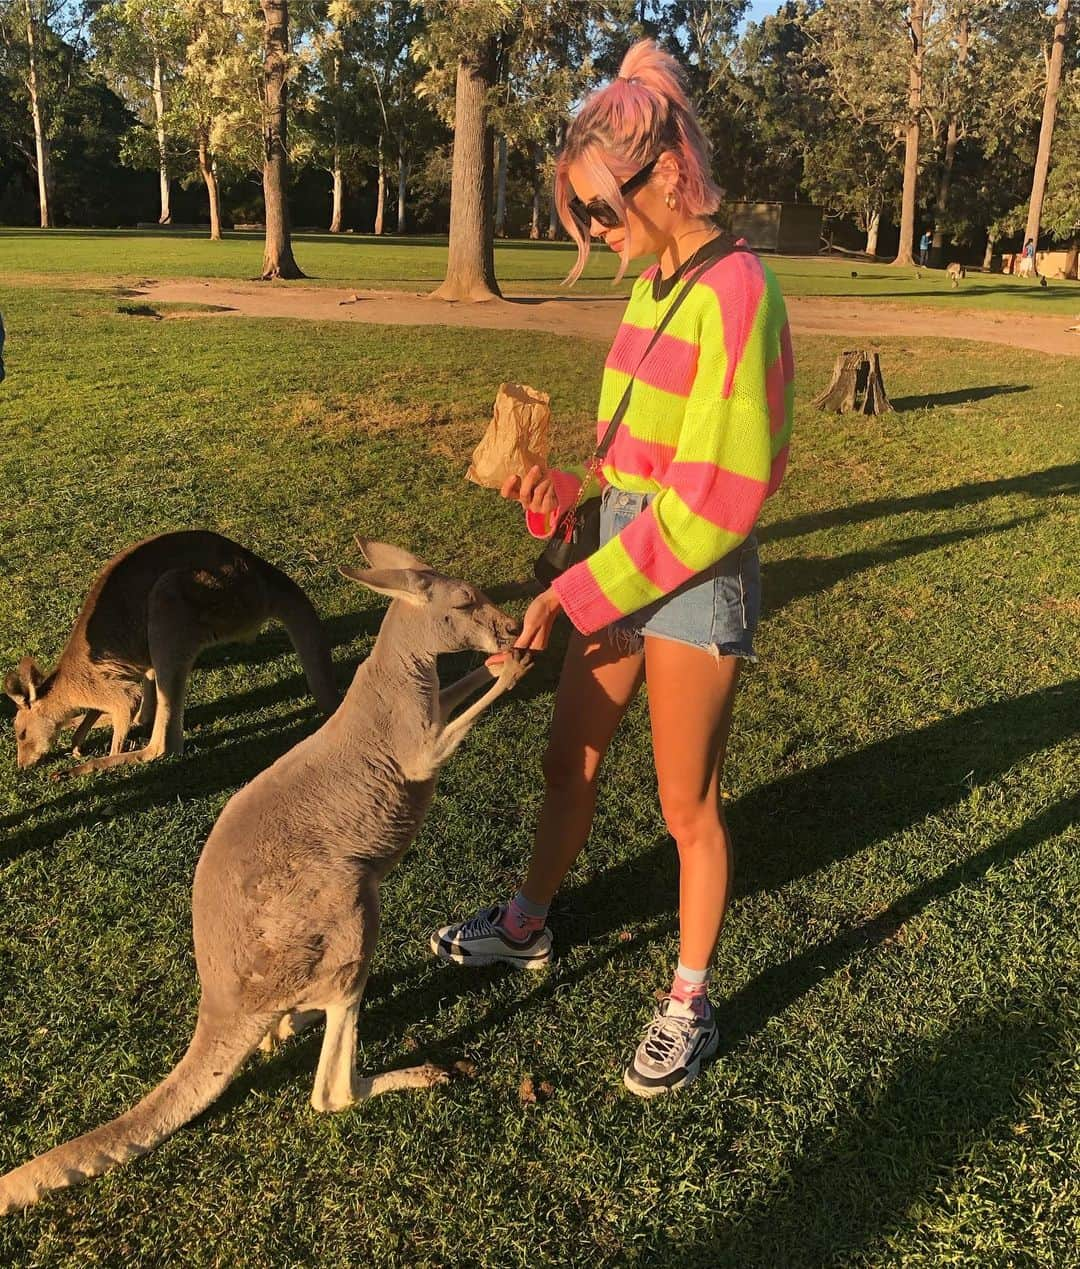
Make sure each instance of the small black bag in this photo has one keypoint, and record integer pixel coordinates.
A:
(577, 531)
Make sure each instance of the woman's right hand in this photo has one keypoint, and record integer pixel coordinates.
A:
(535, 491)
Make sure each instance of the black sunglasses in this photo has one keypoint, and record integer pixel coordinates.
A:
(603, 212)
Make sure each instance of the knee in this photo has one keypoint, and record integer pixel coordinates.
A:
(570, 771)
(692, 821)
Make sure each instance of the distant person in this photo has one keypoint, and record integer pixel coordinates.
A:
(1027, 260)
(924, 249)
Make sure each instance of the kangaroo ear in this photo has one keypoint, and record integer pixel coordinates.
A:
(22, 683)
(383, 555)
(399, 583)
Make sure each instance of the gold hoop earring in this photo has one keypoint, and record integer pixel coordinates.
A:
(670, 200)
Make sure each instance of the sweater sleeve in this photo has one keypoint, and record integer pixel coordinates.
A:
(736, 418)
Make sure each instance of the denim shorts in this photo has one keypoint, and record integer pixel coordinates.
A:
(717, 609)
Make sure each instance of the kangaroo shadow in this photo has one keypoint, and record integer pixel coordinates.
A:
(1063, 479)
(962, 396)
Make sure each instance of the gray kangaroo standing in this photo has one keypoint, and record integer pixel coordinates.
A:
(153, 608)
(286, 898)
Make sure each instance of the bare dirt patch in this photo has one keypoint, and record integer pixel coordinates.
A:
(597, 317)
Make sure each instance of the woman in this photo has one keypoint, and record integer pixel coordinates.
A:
(673, 593)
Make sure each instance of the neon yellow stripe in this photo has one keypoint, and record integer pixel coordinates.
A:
(623, 586)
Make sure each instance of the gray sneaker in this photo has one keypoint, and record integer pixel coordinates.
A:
(479, 941)
(677, 1044)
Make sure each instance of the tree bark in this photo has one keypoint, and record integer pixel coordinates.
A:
(206, 169)
(278, 259)
(553, 213)
(1049, 115)
(337, 175)
(470, 269)
(380, 201)
(872, 231)
(163, 159)
(534, 224)
(906, 253)
(41, 141)
(1072, 258)
(952, 136)
(500, 189)
(988, 254)
(402, 180)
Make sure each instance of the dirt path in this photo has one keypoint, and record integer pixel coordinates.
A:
(597, 317)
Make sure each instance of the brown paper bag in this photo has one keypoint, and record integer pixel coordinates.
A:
(516, 439)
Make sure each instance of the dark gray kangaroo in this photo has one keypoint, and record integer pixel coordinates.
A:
(286, 898)
(151, 611)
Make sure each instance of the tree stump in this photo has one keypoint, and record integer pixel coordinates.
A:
(856, 385)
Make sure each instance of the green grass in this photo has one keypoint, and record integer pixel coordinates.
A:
(419, 264)
(898, 980)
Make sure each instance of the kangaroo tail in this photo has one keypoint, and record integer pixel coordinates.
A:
(217, 1051)
(297, 614)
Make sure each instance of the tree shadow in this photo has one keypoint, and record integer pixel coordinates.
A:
(855, 1182)
(962, 396)
(1063, 479)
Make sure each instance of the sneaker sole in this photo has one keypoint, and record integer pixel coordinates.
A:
(692, 1072)
(446, 952)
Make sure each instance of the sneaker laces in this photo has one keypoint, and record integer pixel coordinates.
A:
(667, 1035)
(482, 925)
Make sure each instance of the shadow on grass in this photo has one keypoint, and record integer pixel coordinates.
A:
(934, 400)
(1050, 482)
(855, 1183)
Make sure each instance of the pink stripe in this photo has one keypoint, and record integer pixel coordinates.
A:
(583, 601)
(722, 497)
(738, 282)
(670, 366)
(651, 555)
(636, 456)
(775, 386)
(776, 475)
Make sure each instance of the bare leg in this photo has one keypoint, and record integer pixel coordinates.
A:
(337, 1086)
(598, 683)
(690, 704)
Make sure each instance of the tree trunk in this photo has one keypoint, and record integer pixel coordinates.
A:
(380, 201)
(337, 175)
(470, 267)
(553, 213)
(278, 259)
(906, 252)
(1072, 258)
(534, 224)
(500, 189)
(951, 139)
(402, 179)
(872, 230)
(1046, 132)
(206, 169)
(41, 142)
(988, 254)
(163, 160)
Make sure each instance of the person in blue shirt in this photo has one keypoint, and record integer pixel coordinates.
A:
(924, 248)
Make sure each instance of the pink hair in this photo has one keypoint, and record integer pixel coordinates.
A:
(631, 121)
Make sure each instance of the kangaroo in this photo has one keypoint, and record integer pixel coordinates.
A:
(285, 905)
(955, 272)
(151, 611)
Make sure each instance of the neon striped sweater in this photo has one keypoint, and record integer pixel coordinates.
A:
(706, 431)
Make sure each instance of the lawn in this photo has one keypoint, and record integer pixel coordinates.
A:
(898, 981)
(522, 267)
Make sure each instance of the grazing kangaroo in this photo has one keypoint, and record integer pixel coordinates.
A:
(285, 908)
(955, 272)
(151, 611)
